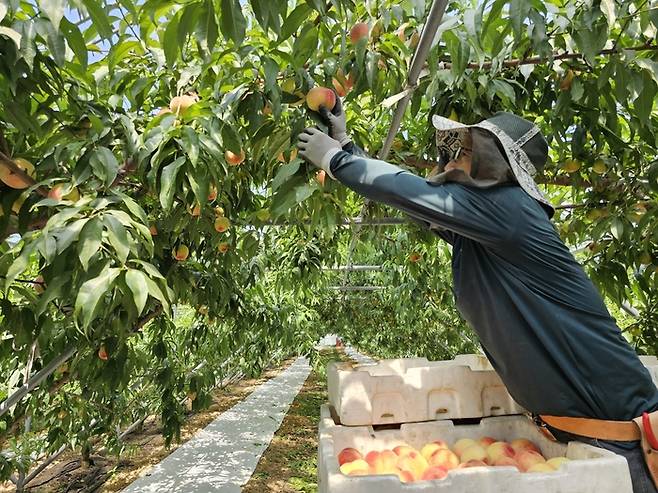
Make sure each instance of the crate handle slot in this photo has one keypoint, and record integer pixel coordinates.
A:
(441, 410)
(387, 415)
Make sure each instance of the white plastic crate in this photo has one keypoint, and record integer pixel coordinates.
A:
(591, 469)
(415, 389)
(651, 362)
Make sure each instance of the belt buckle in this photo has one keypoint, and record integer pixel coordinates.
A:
(543, 428)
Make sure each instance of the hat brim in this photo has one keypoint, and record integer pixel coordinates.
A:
(514, 154)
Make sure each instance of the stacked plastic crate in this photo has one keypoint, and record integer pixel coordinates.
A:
(379, 413)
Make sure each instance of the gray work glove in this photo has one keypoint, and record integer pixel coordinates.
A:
(335, 120)
(318, 148)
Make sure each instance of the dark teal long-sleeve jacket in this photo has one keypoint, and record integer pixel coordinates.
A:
(540, 319)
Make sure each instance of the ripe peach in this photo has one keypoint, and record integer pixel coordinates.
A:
(320, 177)
(181, 253)
(528, 458)
(429, 448)
(401, 450)
(383, 462)
(486, 441)
(288, 86)
(223, 247)
(348, 455)
(462, 445)
(219, 211)
(321, 96)
(196, 210)
(474, 452)
(234, 159)
(473, 463)
(12, 179)
(222, 224)
(212, 193)
(59, 192)
(414, 257)
(39, 284)
(414, 463)
(524, 444)
(102, 353)
(499, 449)
(504, 460)
(406, 476)
(445, 458)
(357, 467)
(163, 111)
(556, 462)
(359, 31)
(181, 103)
(541, 467)
(434, 472)
(153, 230)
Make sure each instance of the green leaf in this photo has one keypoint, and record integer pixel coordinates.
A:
(118, 237)
(591, 41)
(133, 207)
(608, 9)
(262, 12)
(271, 69)
(91, 292)
(136, 281)
(89, 241)
(68, 234)
(649, 65)
(75, 41)
(11, 34)
(54, 9)
(104, 164)
(19, 265)
(306, 43)
(285, 172)
(55, 288)
(233, 23)
(190, 144)
(170, 43)
(99, 18)
(295, 19)
(56, 44)
(617, 228)
(168, 182)
(304, 191)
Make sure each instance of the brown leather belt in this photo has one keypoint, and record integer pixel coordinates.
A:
(621, 431)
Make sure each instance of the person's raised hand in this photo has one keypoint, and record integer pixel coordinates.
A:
(336, 122)
(318, 148)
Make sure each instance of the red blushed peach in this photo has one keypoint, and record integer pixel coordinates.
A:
(474, 452)
(383, 462)
(429, 448)
(524, 444)
(348, 455)
(413, 462)
(181, 103)
(444, 458)
(434, 472)
(234, 159)
(499, 449)
(463, 444)
(528, 458)
(406, 476)
(321, 96)
(357, 467)
(401, 450)
(359, 31)
(486, 441)
(503, 461)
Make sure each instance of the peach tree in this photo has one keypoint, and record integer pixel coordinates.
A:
(159, 233)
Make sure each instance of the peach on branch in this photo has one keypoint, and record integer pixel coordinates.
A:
(9, 177)
(359, 31)
(321, 96)
(234, 159)
(320, 177)
(153, 230)
(181, 103)
(196, 210)
(102, 353)
(212, 193)
(64, 192)
(181, 253)
(223, 247)
(222, 224)
(348, 455)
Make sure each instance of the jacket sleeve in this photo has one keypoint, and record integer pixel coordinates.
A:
(470, 212)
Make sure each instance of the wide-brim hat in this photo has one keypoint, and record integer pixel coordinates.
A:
(525, 147)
